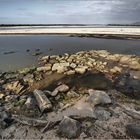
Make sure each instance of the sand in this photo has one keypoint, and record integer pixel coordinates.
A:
(72, 30)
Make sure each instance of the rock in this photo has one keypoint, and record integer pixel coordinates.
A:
(28, 78)
(3, 125)
(62, 88)
(70, 72)
(101, 114)
(36, 53)
(25, 70)
(73, 65)
(45, 58)
(6, 117)
(81, 69)
(60, 67)
(103, 53)
(30, 104)
(1, 95)
(128, 85)
(116, 69)
(14, 86)
(133, 130)
(69, 128)
(125, 59)
(98, 97)
(55, 92)
(45, 68)
(42, 100)
(9, 52)
(134, 65)
(72, 94)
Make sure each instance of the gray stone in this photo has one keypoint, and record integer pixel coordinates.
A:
(42, 100)
(133, 130)
(55, 92)
(73, 65)
(98, 97)
(69, 128)
(101, 114)
(30, 103)
(62, 88)
(6, 117)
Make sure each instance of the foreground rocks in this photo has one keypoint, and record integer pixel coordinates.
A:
(90, 94)
(69, 128)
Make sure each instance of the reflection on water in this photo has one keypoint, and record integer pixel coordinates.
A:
(25, 46)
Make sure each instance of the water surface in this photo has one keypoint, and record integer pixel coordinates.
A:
(50, 45)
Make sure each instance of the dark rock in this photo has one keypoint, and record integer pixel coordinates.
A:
(6, 117)
(128, 85)
(37, 50)
(102, 114)
(37, 53)
(27, 50)
(9, 52)
(70, 128)
(133, 130)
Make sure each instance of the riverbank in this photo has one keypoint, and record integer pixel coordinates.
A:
(94, 93)
(19, 51)
(132, 32)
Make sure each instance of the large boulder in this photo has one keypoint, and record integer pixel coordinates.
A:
(69, 128)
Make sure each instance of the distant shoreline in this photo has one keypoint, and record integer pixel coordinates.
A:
(81, 31)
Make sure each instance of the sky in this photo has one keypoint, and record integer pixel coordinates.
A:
(69, 11)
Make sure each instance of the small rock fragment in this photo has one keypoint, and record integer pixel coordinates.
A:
(1, 95)
(29, 102)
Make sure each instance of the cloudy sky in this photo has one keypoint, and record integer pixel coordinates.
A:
(69, 11)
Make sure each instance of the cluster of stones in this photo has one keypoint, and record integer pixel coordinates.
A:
(16, 86)
(83, 61)
(102, 61)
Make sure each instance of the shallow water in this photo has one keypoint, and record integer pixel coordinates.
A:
(50, 45)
